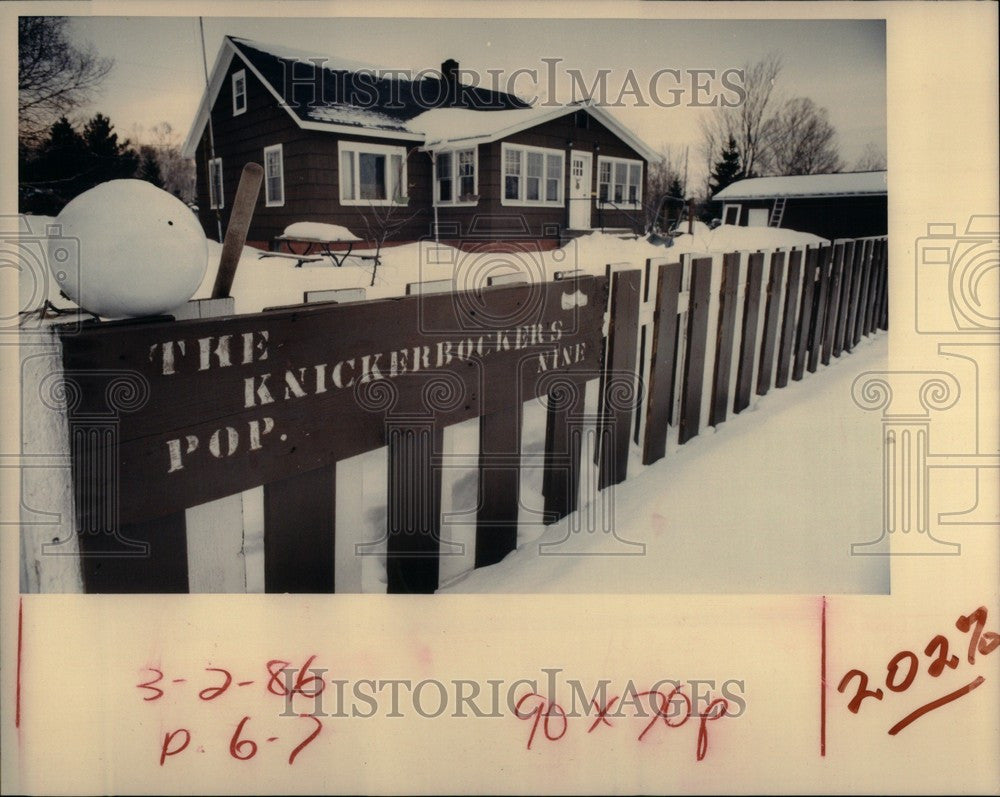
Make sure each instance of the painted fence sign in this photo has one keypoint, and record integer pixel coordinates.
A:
(198, 410)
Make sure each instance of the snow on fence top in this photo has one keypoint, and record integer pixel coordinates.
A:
(806, 185)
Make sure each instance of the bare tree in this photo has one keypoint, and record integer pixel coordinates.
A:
(383, 222)
(54, 75)
(664, 178)
(801, 140)
(178, 172)
(747, 123)
(872, 159)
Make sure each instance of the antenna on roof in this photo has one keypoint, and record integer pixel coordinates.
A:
(211, 132)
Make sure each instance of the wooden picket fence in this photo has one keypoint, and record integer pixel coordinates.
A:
(170, 420)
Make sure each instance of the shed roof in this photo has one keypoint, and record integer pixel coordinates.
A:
(806, 185)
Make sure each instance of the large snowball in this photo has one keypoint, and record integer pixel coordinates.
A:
(133, 250)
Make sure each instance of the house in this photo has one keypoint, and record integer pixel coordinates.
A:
(341, 141)
(844, 205)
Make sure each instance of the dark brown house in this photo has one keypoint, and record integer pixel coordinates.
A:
(844, 205)
(339, 141)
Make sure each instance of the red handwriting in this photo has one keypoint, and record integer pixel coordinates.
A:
(672, 710)
(903, 668)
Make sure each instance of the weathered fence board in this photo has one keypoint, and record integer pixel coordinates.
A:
(769, 341)
(805, 314)
(299, 528)
(833, 302)
(619, 387)
(818, 321)
(724, 341)
(846, 282)
(694, 357)
(866, 272)
(563, 448)
(664, 361)
(499, 483)
(788, 318)
(150, 556)
(748, 338)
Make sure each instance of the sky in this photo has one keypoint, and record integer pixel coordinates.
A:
(840, 64)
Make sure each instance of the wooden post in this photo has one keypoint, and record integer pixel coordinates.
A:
(819, 311)
(414, 505)
(239, 225)
(748, 340)
(805, 314)
(619, 387)
(563, 448)
(694, 358)
(788, 318)
(833, 302)
(769, 342)
(664, 360)
(846, 280)
(725, 339)
(866, 273)
(299, 528)
(499, 482)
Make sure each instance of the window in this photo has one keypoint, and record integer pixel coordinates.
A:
(215, 197)
(532, 175)
(239, 92)
(619, 181)
(274, 176)
(456, 177)
(731, 214)
(371, 174)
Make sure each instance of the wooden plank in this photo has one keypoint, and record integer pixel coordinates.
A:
(429, 286)
(805, 314)
(833, 303)
(878, 274)
(225, 405)
(414, 507)
(619, 389)
(788, 318)
(883, 308)
(725, 339)
(115, 563)
(563, 448)
(694, 355)
(299, 528)
(846, 281)
(663, 360)
(769, 340)
(340, 295)
(499, 483)
(818, 324)
(748, 339)
(860, 248)
(866, 273)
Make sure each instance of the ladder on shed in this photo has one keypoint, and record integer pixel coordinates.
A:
(778, 212)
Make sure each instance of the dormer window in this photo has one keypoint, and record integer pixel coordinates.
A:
(239, 92)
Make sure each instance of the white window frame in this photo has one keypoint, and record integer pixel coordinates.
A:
(216, 202)
(614, 162)
(237, 76)
(455, 179)
(524, 149)
(363, 147)
(269, 201)
(725, 212)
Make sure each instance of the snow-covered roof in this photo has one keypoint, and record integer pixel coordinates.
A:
(806, 185)
(449, 127)
(386, 103)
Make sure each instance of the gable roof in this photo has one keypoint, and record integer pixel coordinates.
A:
(450, 127)
(806, 185)
(373, 101)
(356, 97)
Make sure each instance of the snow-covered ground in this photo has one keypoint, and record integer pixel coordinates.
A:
(769, 502)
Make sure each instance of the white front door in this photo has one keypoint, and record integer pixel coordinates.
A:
(581, 175)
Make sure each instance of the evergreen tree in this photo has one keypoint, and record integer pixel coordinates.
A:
(728, 169)
(108, 158)
(676, 188)
(149, 167)
(54, 172)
